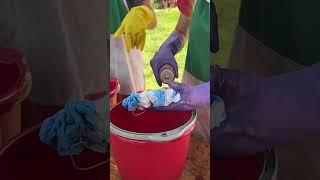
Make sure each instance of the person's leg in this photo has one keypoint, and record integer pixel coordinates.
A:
(172, 3)
(165, 4)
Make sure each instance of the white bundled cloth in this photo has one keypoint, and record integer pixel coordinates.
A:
(146, 99)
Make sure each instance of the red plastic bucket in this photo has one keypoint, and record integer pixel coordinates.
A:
(15, 86)
(27, 158)
(152, 145)
(114, 90)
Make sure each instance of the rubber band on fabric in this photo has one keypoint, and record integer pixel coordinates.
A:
(85, 168)
(138, 114)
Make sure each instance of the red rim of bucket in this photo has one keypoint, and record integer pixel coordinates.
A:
(156, 137)
(8, 99)
(17, 138)
(6, 148)
(116, 88)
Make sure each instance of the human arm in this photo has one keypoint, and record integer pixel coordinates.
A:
(171, 46)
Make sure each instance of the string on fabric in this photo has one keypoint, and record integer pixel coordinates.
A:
(85, 168)
(138, 114)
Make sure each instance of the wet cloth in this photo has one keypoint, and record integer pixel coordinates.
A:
(149, 98)
(78, 122)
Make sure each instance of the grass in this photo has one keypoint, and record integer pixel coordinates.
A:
(228, 11)
(167, 21)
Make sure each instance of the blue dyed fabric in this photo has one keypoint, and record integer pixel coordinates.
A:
(77, 121)
(149, 98)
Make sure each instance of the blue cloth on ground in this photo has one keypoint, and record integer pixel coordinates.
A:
(78, 121)
(146, 99)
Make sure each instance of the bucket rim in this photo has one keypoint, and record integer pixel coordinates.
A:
(155, 137)
(17, 138)
(10, 98)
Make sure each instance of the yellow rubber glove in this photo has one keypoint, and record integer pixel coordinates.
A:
(134, 27)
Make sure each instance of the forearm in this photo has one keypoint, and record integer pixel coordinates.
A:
(153, 23)
(148, 3)
(178, 37)
(183, 25)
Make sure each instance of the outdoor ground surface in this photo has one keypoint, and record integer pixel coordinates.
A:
(167, 21)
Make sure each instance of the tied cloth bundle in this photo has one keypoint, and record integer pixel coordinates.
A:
(149, 98)
(78, 122)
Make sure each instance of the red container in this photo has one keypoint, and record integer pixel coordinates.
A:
(15, 85)
(152, 145)
(114, 90)
(27, 158)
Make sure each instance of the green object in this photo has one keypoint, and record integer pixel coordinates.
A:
(289, 27)
(198, 54)
(118, 11)
(227, 13)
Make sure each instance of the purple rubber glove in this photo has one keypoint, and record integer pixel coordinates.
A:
(262, 113)
(192, 97)
(166, 53)
(134, 3)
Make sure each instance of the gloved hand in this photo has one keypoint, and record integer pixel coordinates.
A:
(262, 113)
(173, 44)
(185, 7)
(134, 27)
(192, 97)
